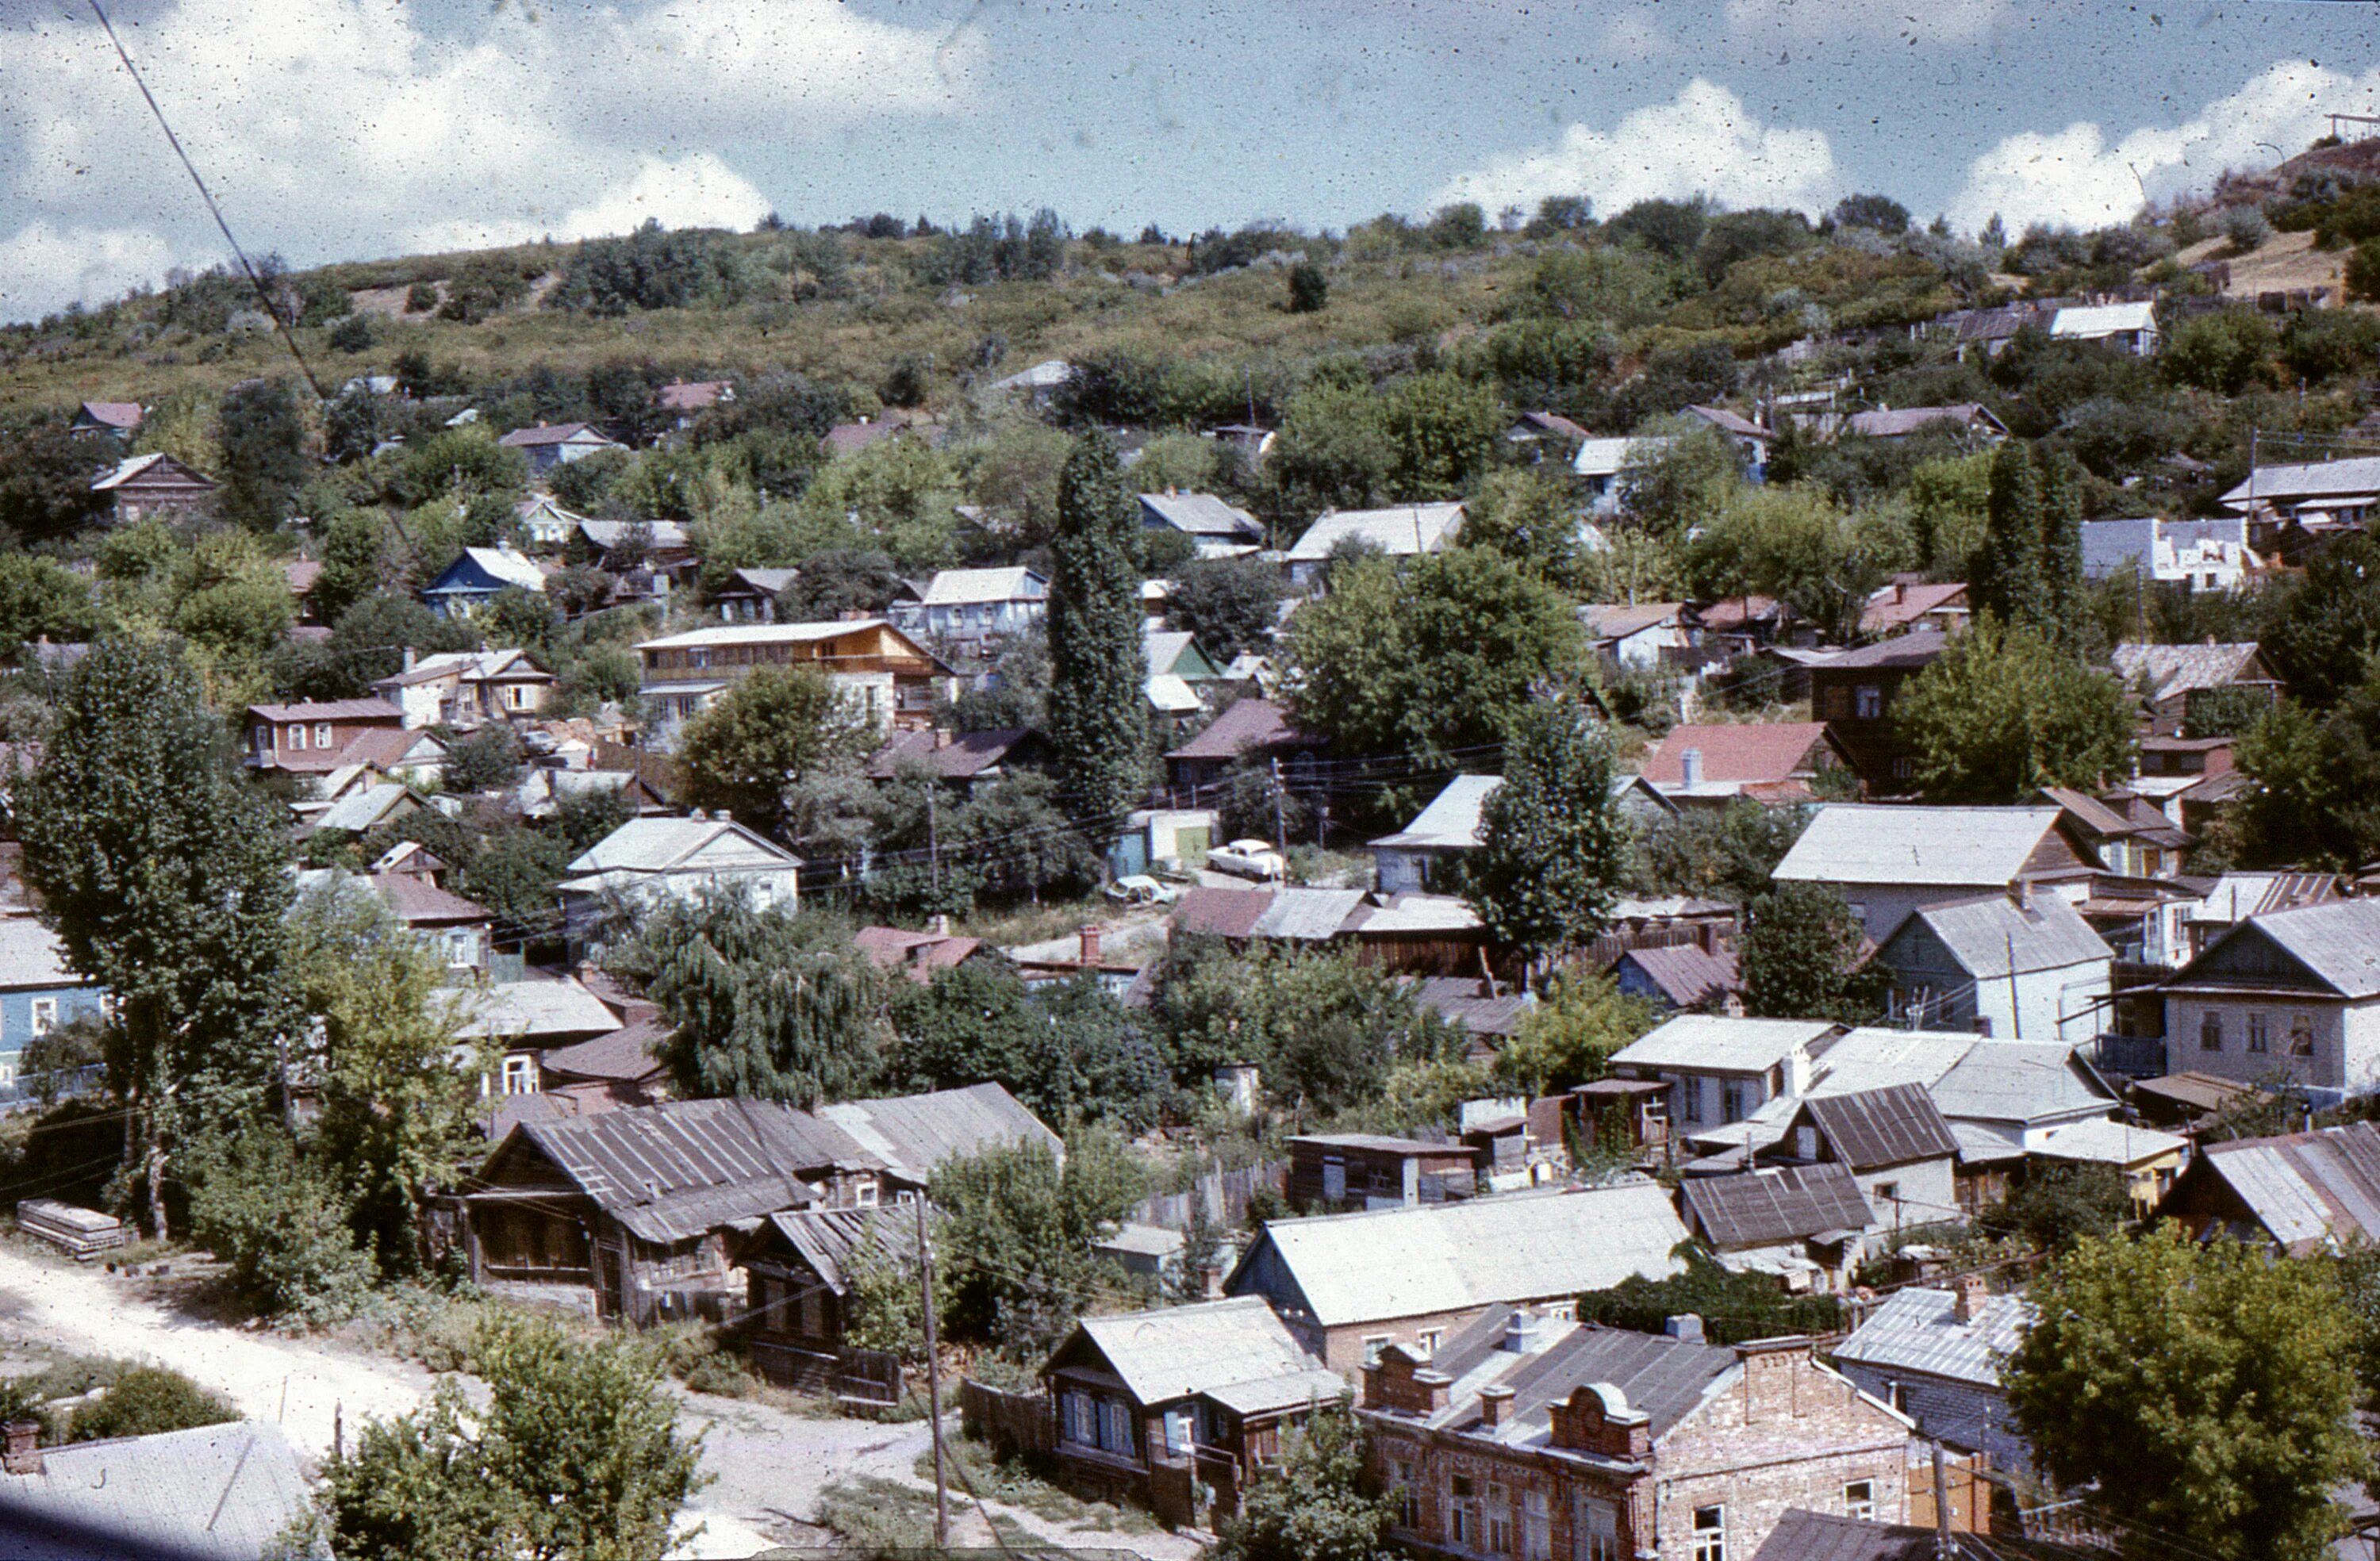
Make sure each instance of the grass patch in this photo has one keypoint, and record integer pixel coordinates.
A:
(1013, 1482)
(879, 1517)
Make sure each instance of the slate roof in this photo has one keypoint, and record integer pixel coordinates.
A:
(964, 757)
(827, 1238)
(1243, 726)
(1918, 1330)
(1870, 844)
(2168, 671)
(673, 1171)
(1769, 1207)
(1400, 532)
(1179, 1351)
(1451, 820)
(1200, 514)
(218, 1493)
(1687, 976)
(1713, 1043)
(1737, 750)
(914, 1133)
(2308, 1191)
(1985, 934)
(1449, 1257)
(1881, 1127)
(1896, 422)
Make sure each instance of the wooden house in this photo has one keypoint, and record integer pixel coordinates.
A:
(889, 677)
(800, 1266)
(155, 485)
(1333, 1172)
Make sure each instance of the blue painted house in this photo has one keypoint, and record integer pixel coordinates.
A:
(38, 993)
(476, 578)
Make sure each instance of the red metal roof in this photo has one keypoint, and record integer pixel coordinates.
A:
(1740, 751)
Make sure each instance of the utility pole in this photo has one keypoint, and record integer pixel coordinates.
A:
(1279, 816)
(934, 840)
(2016, 1018)
(1945, 1547)
(933, 1381)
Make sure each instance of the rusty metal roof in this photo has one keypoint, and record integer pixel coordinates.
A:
(1763, 1208)
(1881, 1127)
(2308, 1190)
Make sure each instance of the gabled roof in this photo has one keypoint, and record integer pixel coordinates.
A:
(1449, 1257)
(1686, 974)
(1619, 620)
(2350, 479)
(1895, 424)
(555, 433)
(1956, 847)
(1820, 1536)
(217, 1493)
(2105, 1140)
(1180, 1351)
(1548, 422)
(500, 565)
(2168, 671)
(418, 902)
(1200, 514)
(767, 582)
(1890, 607)
(1221, 912)
(150, 468)
(1881, 1127)
(123, 414)
(2235, 896)
(918, 953)
(662, 845)
(1730, 422)
(534, 1012)
(1919, 647)
(1401, 532)
(1309, 915)
(772, 633)
(362, 811)
(1774, 1205)
(609, 533)
(1985, 935)
(2102, 320)
(1244, 726)
(1919, 1330)
(672, 1172)
(913, 1135)
(2309, 1190)
(964, 756)
(826, 1239)
(1451, 821)
(31, 957)
(966, 587)
(1663, 1378)
(2336, 943)
(693, 396)
(1713, 1043)
(1735, 752)
(627, 1055)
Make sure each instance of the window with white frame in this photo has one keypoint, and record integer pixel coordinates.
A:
(323, 734)
(1859, 1500)
(1179, 1434)
(1710, 1533)
(46, 1015)
(1871, 703)
(1429, 1339)
(1598, 1531)
(1373, 1345)
(1536, 1527)
(298, 738)
(520, 1075)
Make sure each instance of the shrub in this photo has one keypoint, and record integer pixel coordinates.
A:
(420, 298)
(282, 1226)
(1309, 288)
(2363, 272)
(352, 335)
(2244, 228)
(146, 1400)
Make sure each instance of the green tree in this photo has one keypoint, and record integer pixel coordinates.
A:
(1227, 605)
(353, 543)
(1579, 1021)
(774, 728)
(41, 596)
(1553, 846)
(489, 759)
(1334, 452)
(2206, 1390)
(1314, 1507)
(2363, 272)
(883, 1304)
(1324, 1028)
(1070, 1053)
(1099, 720)
(2056, 1205)
(2007, 575)
(164, 877)
(145, 1401)
(45, 477)
(761, 1004)
(1435, 660)
(1734, 1307)
(1309, 288)
(1949, 505)
(2224, 352)
(1443, 430)
(2003, 712)
(2315, 801)
(1801, 958)
(577, 1457)
(262, 436)
(2318, 627)
(1018, 1229)
(1724, 853)
(1678, 471)
(1531, 518)
(1794, 545)
(278, 1218)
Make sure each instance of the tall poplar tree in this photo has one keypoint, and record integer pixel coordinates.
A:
(2061, 545)
(2008, 578)
(165, 876)
(1553, 847)
(1098, 710)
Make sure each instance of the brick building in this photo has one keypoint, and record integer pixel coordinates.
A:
(1538, 1440)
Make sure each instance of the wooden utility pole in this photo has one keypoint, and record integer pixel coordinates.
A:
(1945, 1547)
(1279, 820)
(933, 1381)
(933, 851)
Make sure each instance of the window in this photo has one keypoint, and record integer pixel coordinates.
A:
(1894, 1397)
(46, 1015)
(2300, 1034)
(1710, 1533)
(1115, 1427)
(520, 1075)
(298, 738)
(864, 1192)
(1499, 1520)
(1871, 702)
(1373, 1345)
(1429, 1339)
(1859, 1500)
(1806, 1143)
(1536, 1527)
(1736, 1099)
(1462, 1512)
(1178, 1436)
(1408, 1497)
(1888, 1192)
(1598, 1531)
(323, 734)
(2210, 1032)
(1080, 1416)
(2260, 1035)
(1562, 1312)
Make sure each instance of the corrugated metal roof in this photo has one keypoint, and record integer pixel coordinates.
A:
(764, 634)
(2339, 942)
(1915, 648)
(1309, 915)
(1451, 822)
(1918, 1330)
(1178, 1350)
(1451, 1257)
(2105, 1140)
(673, 1171)
(1881, 1127)
(1781, 1204)
(1400, 532)
(2314, 480)
(1687, 976)
(1985, 934)
(969, 587)
(827, 1238)
(1608, 457)
(914, 1133)
(2022, 1082)
(1244, 724)
(1713, 1043)
(1894, 423)
(2308, 1188)
(2089, 320)
(1871, 843)
(219, 1492)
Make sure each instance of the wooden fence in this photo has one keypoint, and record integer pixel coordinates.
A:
(1225, 1195)
(1011, 1422)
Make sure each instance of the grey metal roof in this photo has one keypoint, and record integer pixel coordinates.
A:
(2338, 942)
(1918, 1330)
(2316, 479)
(2108, 1142)
(658, 846)
(1663, 1377)
(1451, 822)
(2307, 1190)
(673, 1171)
(1315, 1385)
(535, 1012)
(1870, 844)
(1713, 1043)
(1822, 1536)
(1200, 514)
(1881, 1127)
(1313, 915)
(31, 957)
(2026, 1081)
(914, 1133)
(1892, 423)
(1688, 976)
(1784, 1204)
(219, 1492)
(2165, 671)
(1915, 648)
(1401, 532)
(1451, 1257)
(827, 1238)
(1985, 934)
(1175, 1351)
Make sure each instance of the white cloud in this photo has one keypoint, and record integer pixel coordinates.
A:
(340, 128)
(42, 266)
(2080, 175)
(1704, 142)
(1941, 22)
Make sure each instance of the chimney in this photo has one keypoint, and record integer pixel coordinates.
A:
(1210, 1281)
(1521, 1333)
(1686, 1327)
(1691, 761)
(411, 656)
(2022, 892)
(943, 737)
(1494, 1399)
(1972, 1292)
(1091, 945)
(941, 924)
(1899, 591)
(24, 1448)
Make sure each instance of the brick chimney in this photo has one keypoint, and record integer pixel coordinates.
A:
(24, 1448)
(1495, 1402)
(944, 737)
(1772, 1378)
(1396, 1381)
(1210, 1281)
(1972, 1292)
(1091, 959)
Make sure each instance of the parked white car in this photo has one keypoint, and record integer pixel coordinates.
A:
(1250, 859)
(1139, 889)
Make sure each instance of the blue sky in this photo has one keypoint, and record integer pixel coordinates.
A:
(350, 128)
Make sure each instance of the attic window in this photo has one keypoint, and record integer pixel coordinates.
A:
(1805, 1142)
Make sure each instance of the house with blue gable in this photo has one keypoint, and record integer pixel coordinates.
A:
(38, 993)
(476, 577)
